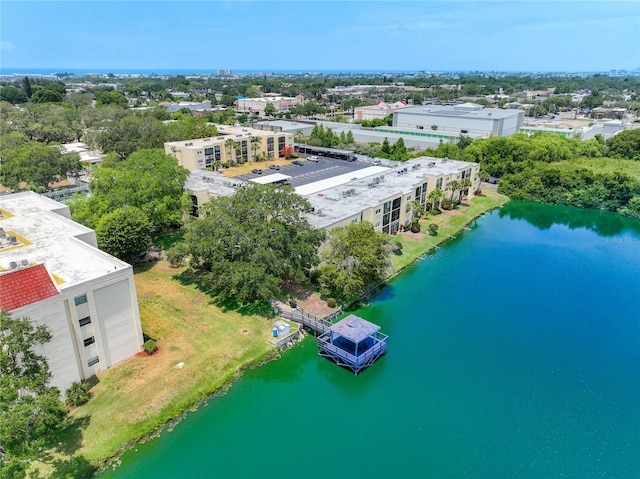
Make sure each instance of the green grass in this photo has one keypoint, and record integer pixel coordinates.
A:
(138, 396)
(449, 224)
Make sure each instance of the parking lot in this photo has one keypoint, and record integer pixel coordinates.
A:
(311, 172)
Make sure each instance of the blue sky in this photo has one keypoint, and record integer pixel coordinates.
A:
(320, 36)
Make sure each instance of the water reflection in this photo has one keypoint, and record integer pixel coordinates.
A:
(543, 217)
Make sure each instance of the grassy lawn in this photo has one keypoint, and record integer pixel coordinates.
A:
(201, 349)
(449, 224)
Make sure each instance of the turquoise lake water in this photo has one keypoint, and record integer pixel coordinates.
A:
(514, 352)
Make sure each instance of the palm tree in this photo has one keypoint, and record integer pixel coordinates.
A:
(435, 197)
(232, 147)
(453, 186)
(299, 136)
(465, 184)
(256, 143)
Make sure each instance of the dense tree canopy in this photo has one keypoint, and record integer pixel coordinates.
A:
(148, 179)
(29, 408)
(625, 144)
(124, 232)
(354, 258)
(246, 245)
(35, 165)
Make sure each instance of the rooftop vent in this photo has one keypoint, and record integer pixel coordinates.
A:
(24, 262)
(13, 265)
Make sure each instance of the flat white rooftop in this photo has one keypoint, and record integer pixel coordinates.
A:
(265, 180)
(45, 234)
(334, 181)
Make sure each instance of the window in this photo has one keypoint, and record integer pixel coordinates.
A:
(85, 321)
(377, 225)
(80, 300)
(439, 184)
(409, 198)
(281, 143)
(93, 360)
(89, 341)
(378, 210)
(355, 220)
(270, 147)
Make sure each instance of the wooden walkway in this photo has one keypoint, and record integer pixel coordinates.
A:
(308, 320)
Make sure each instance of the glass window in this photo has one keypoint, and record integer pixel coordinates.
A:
(80, 300)
(93, 360)
(89, 341)
(85, 321)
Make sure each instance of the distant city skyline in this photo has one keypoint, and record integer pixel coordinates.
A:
(525, 36)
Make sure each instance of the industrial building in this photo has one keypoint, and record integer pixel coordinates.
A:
(52, 272)
(249, 144)
(467, 119)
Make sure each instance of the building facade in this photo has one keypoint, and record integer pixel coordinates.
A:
(52, 272)
(257, 105)
(378, 111)
(247, 144)
(466, 119)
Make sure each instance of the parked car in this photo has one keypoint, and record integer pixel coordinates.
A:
(352, 158)
(256, 171)
(274, 167)
(312, 158)
(297, 163)
(377, 162)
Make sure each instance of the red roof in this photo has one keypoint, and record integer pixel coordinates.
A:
(25, 286)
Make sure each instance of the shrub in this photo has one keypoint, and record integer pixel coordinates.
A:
(176, 254)
(433, 229)
(150, 346)
(331, 302)
(415, 226)
(396, 248)
(78, 394)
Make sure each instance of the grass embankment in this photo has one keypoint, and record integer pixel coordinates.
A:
(201, 349)
(449, 224)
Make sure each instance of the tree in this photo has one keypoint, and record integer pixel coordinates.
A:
(232, 150)
(128, 134)
(386, 148)
(244, 246)
(256, 142)
(625, 144)
(465, 184)
(37, 165)
(124, 232)
(29, 408)
(12, 95)
(269, 109)
(26, 85)
(44, 95)
(148, 179)
(453, 186)
(398, 151)
(353, 259)
(434, 198)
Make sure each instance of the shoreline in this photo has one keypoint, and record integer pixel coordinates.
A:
(493, 201)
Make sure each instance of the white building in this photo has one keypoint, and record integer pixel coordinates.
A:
(257, 105)
(466, 119)
(52, 272)
(378, 111)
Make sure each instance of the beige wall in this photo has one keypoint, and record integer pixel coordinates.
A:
(191, 154)
(112, 305)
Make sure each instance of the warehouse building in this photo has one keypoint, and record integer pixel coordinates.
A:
(466, 119)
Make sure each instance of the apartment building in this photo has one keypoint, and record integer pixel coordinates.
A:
(246, 144)
(257, 105)
(52, 272)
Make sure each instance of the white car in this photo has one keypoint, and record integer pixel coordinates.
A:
(313, 158)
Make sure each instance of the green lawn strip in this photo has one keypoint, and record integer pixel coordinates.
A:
(449, 224)
(125, 408)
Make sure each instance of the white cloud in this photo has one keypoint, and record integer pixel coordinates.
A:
(6, 46)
